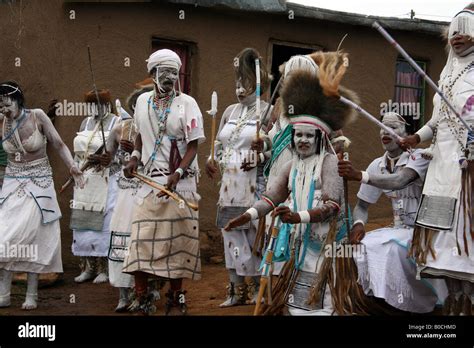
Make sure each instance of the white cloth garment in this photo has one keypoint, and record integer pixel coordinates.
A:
(96, 243)
(444, 173)
(384, 269)
(29, 215)
(98, 195)
(121, 229)
(239, 188)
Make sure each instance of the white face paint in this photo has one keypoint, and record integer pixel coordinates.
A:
(388, 143)
(243, 96)
(9, 108)
(165, 78)
(305, 140)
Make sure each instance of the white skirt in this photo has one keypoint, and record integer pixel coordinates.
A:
(93, 243)
(121, 229)
(238, 251)
(386, 272)
(21, 228)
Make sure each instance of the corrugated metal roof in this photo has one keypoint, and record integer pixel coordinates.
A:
(418, 25)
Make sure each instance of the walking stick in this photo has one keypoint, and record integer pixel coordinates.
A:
(265, 278)
(346, 193)
(257, 93)
(173, 194)
(420, 71)
(99, 110)
(213, 113)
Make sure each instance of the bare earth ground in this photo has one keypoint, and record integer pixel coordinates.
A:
(203, 297)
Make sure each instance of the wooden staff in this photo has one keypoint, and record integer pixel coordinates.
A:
(370, 117)
(257, 93)
(97, 97)
(174, 195)
(265, 279)
(213, 113)
(87, 164)
(346, 193)
(420, 71)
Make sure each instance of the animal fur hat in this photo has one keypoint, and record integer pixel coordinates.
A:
(314, 100)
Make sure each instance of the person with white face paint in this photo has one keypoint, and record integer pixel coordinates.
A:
(241, 184)
(384, 269)
(314, 213)
(93, 205)
(443, 238)
(29, 210)
(165, 235)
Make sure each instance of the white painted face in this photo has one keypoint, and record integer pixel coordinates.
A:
(388, 143)
(240, 91)
(305, 140)
(166, 77)
(9, 108)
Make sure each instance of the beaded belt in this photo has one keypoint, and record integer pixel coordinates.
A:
(38, 171)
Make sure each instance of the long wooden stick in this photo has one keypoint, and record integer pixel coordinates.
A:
(370, 117)
(160, 187)
(98, 101)
(265, 278)
(257, 93)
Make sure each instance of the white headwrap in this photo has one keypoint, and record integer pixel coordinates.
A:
(462, 24)
(300, 62)
(393, 117)
(163, 58)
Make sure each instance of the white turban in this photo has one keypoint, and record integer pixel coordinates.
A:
(163, 58)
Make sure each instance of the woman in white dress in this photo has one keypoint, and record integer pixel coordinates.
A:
(241, 184)
(30, 239)
(443, 238)
(92, 206)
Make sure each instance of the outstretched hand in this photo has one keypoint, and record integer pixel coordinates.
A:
(238, 221)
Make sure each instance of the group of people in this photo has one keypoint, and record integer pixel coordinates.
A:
(282, 198)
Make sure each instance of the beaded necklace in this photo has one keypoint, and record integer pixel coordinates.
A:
(241, 122)
(454, 124)
(161, 109)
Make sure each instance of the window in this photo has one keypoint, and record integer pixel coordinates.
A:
(184, 51)
(409, 99)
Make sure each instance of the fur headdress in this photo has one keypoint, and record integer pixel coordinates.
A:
(314, 100)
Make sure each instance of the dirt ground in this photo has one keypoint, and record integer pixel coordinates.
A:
(203, 297)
